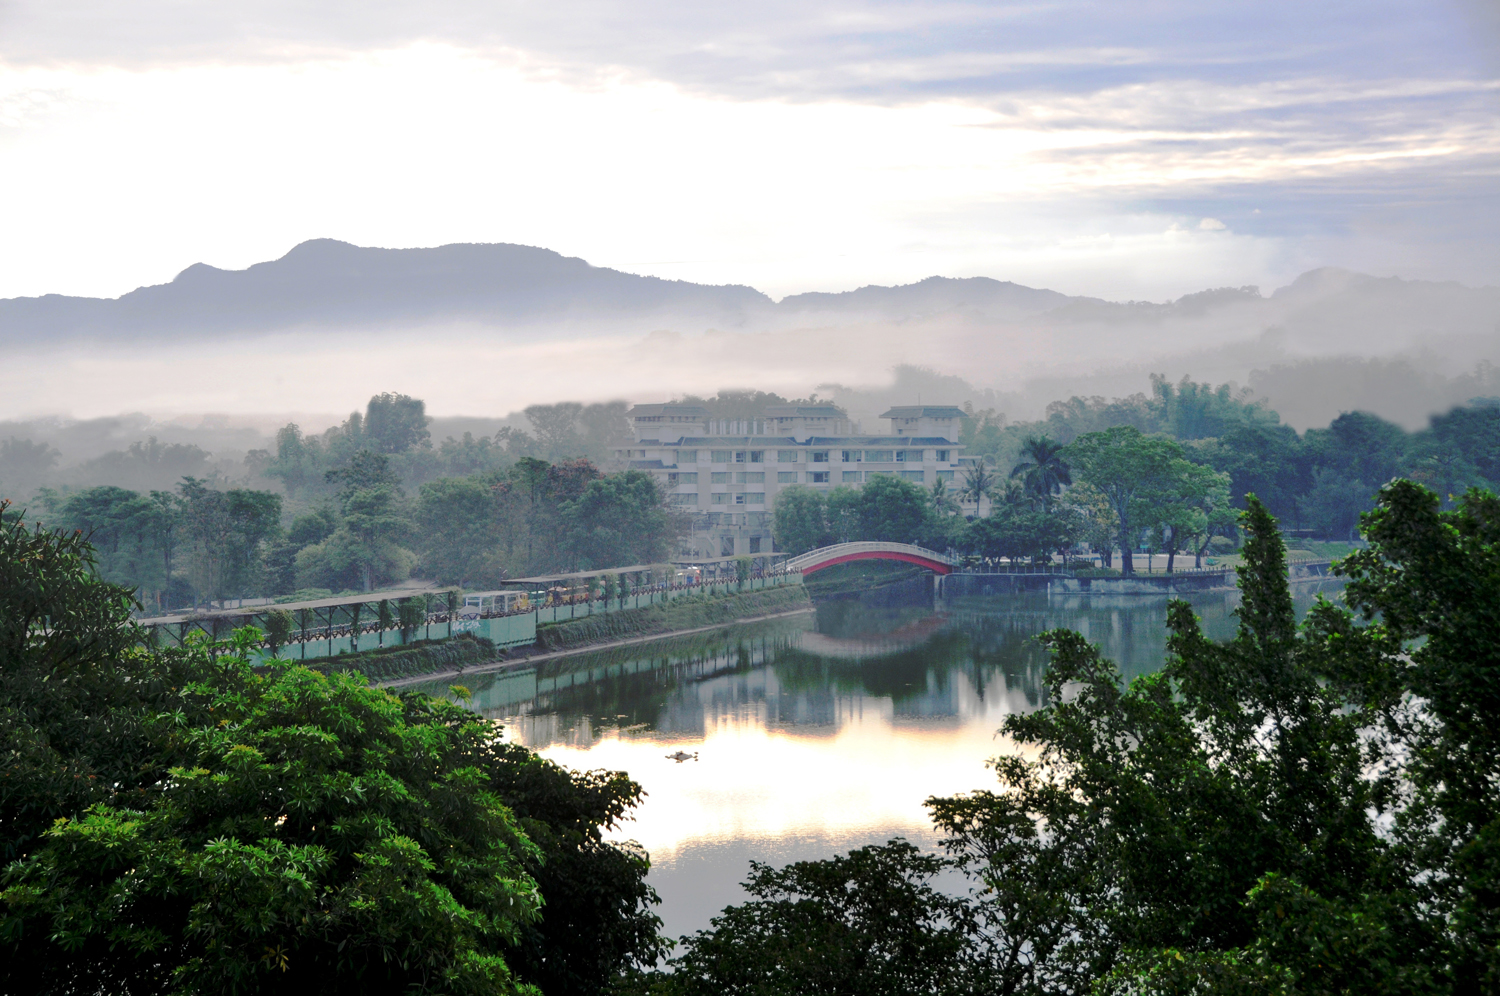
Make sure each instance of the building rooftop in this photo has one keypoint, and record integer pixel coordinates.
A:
(803, 411)
(668, 410)
(769, 442)
(925, 411)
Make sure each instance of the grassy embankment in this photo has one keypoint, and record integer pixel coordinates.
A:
(679, 614)
(420, 657)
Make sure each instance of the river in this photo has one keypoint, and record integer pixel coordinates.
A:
(814, 733)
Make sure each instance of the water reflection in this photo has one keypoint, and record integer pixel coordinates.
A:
(814, 733)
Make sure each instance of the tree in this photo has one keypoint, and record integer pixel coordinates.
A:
(1193, 503)
(843, 507)
(368, 545)
(395, 423)
(891, 509)
(1432, 579)
(1167, 804)
(868, 923)
(125, 531)
(23, 464)
(1097, 523)
(457, 530)
(556, 429)
(1131, 470)
(1334, 504)
(620, 520)
(177, 821)
(942, 499)
(1042, 469)
(799, 520)
(226, 530)
(979, 483)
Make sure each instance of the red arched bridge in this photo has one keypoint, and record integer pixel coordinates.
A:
(843, 553)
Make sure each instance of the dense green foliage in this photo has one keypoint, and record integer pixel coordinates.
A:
(1301, 809)
(1321, 480)
(348, 521)
(181, 822)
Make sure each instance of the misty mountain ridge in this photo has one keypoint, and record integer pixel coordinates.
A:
(331, 284)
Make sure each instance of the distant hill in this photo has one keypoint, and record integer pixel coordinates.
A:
(974, 296)
(331, 284)
(334, 284)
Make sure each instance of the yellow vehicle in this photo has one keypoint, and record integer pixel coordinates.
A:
(494, 603)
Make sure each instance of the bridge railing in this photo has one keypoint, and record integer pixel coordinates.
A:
(822, 554)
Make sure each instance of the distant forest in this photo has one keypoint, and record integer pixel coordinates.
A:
(376, 499)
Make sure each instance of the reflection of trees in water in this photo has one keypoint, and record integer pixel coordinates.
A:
(848, 619)
(901, 675)
(685, 685)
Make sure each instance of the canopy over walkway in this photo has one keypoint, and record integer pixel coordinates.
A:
(843, 553)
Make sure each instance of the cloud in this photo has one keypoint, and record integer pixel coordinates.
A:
(789, 145)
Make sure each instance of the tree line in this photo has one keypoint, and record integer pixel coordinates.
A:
(1320, 480)
(350, 517)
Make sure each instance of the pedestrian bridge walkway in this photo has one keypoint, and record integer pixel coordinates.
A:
(843, 553)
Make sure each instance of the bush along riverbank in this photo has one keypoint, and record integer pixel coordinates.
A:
(670, 617)
(411, 660)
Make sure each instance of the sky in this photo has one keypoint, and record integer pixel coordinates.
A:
(1133, 151)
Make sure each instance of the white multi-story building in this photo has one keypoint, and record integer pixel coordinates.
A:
(726, 473)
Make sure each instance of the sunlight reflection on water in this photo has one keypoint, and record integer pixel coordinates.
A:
(813, 734)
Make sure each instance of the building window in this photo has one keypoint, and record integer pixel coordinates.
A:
(786, 456)
(945, 475)
(912, 475)
(686, 498)
(726, 546)
(720, 499)
(673, 480)
(908, 456)
(751, 477)
(757, 456)
(880, 456)
(818, 477)
(942, 456)
(851, 477)
(720, 456)
(719, 477)
(853, 456)
(819, 456)
(739, 456)
(741, 498)
(687, 456)
(786, 477)
(755, 544)
(757, 497)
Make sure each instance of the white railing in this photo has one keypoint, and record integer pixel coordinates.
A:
(814, 557)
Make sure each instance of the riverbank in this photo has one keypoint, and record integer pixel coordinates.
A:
(681, 617)
(530, 658)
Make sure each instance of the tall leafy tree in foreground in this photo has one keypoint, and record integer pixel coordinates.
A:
(179, 822)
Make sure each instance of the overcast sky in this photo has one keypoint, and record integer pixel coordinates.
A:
(1132, 150)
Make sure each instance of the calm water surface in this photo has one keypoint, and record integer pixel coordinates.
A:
(814, 733)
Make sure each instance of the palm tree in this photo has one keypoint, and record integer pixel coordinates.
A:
(978, 482)
(941, 499)
(1042, 469)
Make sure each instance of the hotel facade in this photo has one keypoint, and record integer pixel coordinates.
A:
(724, 474)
